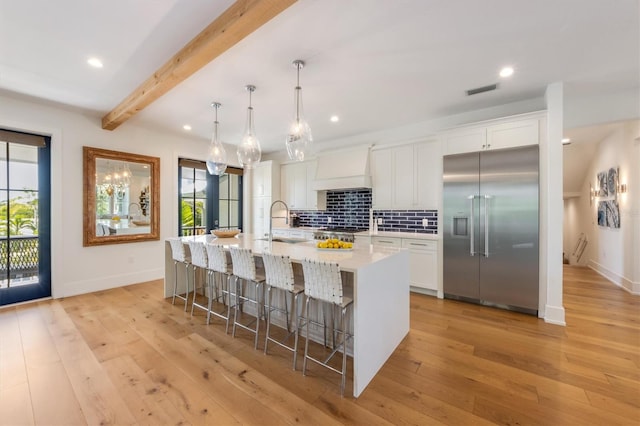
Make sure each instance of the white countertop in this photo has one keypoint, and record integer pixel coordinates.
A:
(349, 260)
(387, 234)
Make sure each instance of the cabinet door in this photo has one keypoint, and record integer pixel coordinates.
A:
(299, 185)
(386, 242)
(311, 196)
(423, 263)
(467, 140)
(258, 184)
(517, 133)
(428, 175)
(287, 192)
(260, 219)
(404, 188)
(382, 173)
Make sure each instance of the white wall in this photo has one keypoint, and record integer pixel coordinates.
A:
(612, 252)
(77, 269)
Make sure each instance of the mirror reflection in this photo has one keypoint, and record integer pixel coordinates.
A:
(121, 197)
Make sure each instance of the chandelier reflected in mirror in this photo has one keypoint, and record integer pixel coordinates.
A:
(116, 178)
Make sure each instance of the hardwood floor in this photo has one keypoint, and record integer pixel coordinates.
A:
(127, 356)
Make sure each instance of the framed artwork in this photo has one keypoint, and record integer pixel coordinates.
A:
(608, 208)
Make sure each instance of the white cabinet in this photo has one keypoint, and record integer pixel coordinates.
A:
(407, 176)
(296, 186)
(260, 217)
(361, 240)
(505, 133)
(265, 188)
(293, 233)
(265, 179)
(423, 259)
(391, 242)
(423, 263)
(381, 178)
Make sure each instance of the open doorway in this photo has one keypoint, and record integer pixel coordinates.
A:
(601, 221)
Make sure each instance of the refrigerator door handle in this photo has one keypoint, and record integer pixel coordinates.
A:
(472, 250)
(486, 225)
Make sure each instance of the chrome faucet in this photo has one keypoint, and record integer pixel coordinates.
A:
(286, 218)
(129, 209)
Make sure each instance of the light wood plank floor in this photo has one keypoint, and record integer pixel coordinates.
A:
(127, 356)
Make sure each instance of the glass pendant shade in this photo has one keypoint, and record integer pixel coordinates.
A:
(299, 138)
(249, 152)
(217, 155)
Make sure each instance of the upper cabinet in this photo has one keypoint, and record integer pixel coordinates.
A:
(265, 187)
(265, 179)
(296, 183)
(407, 176)
(498, 134)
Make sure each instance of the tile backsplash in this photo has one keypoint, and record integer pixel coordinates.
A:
(350, 209)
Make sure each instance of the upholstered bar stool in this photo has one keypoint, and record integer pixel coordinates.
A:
(180, 255)
(323, 285)
(220, 271)
(244, 271)
(199, 260)
(279, 275)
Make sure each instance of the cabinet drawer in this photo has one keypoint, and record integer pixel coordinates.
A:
(386, 242)
(427, 245)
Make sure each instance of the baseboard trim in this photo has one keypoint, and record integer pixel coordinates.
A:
(554, 315)
(618, 280)
(105, 283)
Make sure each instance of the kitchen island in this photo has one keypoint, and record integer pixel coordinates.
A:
(380, 279)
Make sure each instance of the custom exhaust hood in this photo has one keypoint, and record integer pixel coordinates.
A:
(344, 169)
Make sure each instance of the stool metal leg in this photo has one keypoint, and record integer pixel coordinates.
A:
(344, 352)
(306, 344)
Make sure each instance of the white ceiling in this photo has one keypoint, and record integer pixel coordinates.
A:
(375, 63)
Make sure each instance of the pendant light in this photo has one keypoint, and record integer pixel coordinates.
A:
(217, 155)
(249, 152)
(299, 139)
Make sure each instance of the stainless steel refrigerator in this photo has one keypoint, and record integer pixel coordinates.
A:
(490, 228)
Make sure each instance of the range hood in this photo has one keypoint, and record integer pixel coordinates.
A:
(344, 169)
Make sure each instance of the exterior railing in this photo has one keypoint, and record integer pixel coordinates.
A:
(18, 257)
(189, 232)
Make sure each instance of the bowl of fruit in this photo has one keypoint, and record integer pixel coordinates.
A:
(334, 244)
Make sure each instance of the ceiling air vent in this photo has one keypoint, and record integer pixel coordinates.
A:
(482, 89)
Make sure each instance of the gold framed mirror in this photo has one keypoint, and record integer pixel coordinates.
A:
(121, 197)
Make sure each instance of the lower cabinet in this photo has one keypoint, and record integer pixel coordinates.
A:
(423, 261)
(293, 233)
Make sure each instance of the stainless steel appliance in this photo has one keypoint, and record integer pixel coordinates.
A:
(490, 228)
(342, 234)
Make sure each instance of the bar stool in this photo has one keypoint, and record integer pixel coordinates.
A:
(200, 260)
(279, 275)
(180, 255)
(323, 284)
(244, 268)
(219, 267)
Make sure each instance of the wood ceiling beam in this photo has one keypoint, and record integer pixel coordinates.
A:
(238, 21)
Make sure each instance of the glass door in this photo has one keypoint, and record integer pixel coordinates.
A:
(25, 259)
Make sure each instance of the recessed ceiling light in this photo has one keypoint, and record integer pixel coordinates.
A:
(334, 119)
(506, 72)
(566, 141)
(95, 62)
(186, 127)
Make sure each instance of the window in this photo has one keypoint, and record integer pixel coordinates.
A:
(25, 242)
(207, 202)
